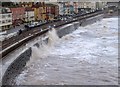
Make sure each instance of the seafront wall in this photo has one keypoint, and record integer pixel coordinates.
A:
(19, 63)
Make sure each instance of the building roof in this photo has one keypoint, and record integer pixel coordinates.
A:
(37, 5)
(49, 4)
(29, 9)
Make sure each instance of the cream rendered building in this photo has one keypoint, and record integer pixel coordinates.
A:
(29, 14)
(5, 18)
(92, 5)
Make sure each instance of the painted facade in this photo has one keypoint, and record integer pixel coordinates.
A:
(40, 11)
(29, 14)
(18, 15)
(52, 11)
(5, 18)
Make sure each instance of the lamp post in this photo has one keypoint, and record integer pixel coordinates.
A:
(27, 17)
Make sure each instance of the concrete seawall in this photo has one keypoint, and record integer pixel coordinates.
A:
(19, 63)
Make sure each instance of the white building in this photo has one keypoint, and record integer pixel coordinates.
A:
(29, 14)
(101, 5)
(113, 4)
(91, 5)
(61, 9)
(5, 18)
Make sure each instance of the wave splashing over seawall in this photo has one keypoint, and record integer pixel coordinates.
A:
(88, 56)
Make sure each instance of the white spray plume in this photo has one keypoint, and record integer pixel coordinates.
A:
(44, 49)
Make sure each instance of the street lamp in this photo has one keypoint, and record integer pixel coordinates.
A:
(27, 17)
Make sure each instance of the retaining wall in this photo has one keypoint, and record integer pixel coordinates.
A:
(19, 63)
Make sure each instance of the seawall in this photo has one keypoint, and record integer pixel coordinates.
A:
(19, 63)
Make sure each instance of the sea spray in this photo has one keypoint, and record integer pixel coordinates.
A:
(44, 49)
(53, 37)
(84, 59)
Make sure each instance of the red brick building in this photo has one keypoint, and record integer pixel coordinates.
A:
(18, 15)
(51, 11)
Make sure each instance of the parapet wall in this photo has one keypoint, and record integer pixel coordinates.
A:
(19, 63)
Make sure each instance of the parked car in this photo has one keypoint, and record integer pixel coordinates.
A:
(29, 26)
(34, 24)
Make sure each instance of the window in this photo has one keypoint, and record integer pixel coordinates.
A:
(9, 20)
(31, 17)
(3, 21)
(3, 16)
(3, 10)
(0, 11)
(8, 10)
(9, 15)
